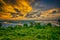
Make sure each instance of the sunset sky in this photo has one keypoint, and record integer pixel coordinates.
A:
(29, 9)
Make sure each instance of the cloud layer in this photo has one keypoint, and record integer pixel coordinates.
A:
(29, 9)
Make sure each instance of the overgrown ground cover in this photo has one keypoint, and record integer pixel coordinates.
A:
(32, 32)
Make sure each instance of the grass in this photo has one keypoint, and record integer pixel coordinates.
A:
(36, 32)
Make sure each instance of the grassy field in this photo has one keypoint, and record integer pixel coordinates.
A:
(32, 32)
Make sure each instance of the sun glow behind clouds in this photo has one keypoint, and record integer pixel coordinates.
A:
(18, 9)
(21, 5)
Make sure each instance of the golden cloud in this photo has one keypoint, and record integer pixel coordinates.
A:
(21, 5)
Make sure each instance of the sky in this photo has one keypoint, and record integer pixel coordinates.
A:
(47, 4)
(29, 9)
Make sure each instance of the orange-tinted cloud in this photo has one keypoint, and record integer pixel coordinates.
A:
(24, 7)
(21, 5)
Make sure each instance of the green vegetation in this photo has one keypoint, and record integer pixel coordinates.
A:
(32, 32)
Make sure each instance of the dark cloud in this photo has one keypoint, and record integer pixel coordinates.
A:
(37, 0)
(52, 2)
(55, 12)
(16, 10)
(46, 4)
(1, 4)
(17, 13)
(10, 1)
(1, 10)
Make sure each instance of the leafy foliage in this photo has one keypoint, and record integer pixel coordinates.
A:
(36, 32)
(0, 24)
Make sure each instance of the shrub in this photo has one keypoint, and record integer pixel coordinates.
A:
(38, 25)
(49, 24)
(21, 34)
(2, 28)
(1, 34)
(59, 21)
(6, 39)
(25, 25)
(34, 32)
(18, 27)
(31, 24)
(10, 27)
(0, 24)
(38, 36)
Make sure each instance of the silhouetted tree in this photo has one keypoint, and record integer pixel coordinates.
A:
(49, 24)
(0, 24)
(38, 25)
(59, 21)
(25, 25)
(31, 24)
(18, 27)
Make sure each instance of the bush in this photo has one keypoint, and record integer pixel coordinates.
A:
(36, 32)
(38, 36)
(31, 24)
(10, 27)
(0, 24)
(2, 28)
(49, 24)
(38, 25)
(18, 27)
(59, 21)
(6, 39)
(25, 25)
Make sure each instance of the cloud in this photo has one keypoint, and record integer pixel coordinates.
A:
(22, 9)
(43, 15)
(14, 9)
